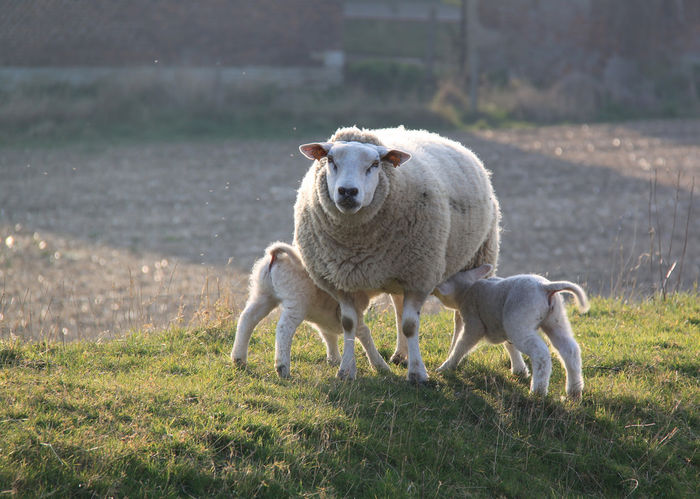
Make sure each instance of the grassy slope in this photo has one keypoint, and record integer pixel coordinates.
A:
(167, 414)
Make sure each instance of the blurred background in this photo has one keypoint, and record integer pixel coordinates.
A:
(148, 150)
(234, 66)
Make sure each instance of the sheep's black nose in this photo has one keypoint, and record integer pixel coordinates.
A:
(352, 191)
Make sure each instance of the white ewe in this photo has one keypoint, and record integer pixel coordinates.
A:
(280, 279)
(365, 222)
(511, 310)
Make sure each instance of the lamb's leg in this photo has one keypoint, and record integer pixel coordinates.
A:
(530, 343)
(470, 334)
(410, 325)
(332, 352)
(558, 329)
(255, 310)
(375, 358)
(400, 356)
(290, 320)
(456, 330)
(517, 364)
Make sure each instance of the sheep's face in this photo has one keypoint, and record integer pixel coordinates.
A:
(352, 170)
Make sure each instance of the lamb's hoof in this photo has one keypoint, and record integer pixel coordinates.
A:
(417, 378)
(348, 374)
(383, 368)
(238, 362)
(399, 359)
(443, 368)
(521, 374)
(332, 362)
(282, 371)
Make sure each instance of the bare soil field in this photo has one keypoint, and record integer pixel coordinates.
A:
(96, 240)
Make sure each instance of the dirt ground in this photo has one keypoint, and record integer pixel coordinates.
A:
(99, 239)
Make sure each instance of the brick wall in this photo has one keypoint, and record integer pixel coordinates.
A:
(120, 33)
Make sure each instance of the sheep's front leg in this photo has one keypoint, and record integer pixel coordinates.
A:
(332, 352)
(400, 355)
(456, 330)
(373, 355)
(410, 324)
(470, 334)
(349, 319)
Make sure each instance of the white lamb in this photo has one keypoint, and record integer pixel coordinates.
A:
(365, 222)
(280, 279)
(511, 310)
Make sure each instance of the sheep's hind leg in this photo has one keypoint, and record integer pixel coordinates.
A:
(400, 355)
(410, 325)
(255, 310)
(558, 329)
(530, 343)
(517, 364)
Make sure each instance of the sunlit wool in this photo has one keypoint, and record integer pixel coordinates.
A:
(429, 218)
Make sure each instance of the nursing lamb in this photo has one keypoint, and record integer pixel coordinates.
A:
(366, 222)
(512, 310)
(280, 279)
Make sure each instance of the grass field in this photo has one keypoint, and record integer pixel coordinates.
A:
(166, 414)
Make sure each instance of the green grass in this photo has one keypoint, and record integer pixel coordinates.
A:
(168, 415)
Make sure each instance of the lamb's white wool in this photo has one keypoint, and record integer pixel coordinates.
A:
(512, 310)
(280, 279)
(368, 219)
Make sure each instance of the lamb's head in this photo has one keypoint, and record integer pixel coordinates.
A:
(450, 291)
(352, 170)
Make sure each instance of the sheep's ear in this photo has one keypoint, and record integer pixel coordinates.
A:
(481, 272)
(315, 150)
(393, 156)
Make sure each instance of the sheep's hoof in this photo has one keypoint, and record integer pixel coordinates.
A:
(574, 395)
(348, 374)
(333, 361)
(417, 378)
(282, 371)
(399, 359)
(238, 362)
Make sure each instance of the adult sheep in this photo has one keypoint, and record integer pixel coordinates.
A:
(365, 222)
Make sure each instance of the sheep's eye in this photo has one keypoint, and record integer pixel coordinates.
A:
(332, 163)
(373, 165)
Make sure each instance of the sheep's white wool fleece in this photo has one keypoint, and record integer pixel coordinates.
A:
(430, 218)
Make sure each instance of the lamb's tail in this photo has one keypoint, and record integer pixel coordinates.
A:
(278, 247)
(555, 287)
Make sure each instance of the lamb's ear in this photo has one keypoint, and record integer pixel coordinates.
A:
(393, 156)
(315, 150)
(480, 272)
(446, 288)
